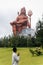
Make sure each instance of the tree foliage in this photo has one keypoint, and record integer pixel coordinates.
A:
(39, 33)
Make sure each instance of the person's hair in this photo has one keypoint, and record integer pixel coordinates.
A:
(14, 49)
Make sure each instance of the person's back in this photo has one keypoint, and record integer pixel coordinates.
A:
(15, 57)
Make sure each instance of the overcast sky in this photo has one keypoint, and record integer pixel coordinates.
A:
(9, 9)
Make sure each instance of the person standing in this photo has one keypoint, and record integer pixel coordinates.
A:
(15, 57)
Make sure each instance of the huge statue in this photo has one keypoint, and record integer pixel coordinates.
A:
(21, 22)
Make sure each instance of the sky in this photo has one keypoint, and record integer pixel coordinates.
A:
(9, 9)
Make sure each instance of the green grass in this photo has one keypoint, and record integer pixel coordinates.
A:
(25, 57)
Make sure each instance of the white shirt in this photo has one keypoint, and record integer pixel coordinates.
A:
(15, 59)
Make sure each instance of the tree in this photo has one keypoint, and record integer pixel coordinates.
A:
(39, 32)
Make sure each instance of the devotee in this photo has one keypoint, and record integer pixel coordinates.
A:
(15, 57)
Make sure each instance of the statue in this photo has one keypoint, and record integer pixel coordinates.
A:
(21, 22)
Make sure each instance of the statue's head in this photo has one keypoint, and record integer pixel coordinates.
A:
(23, 11)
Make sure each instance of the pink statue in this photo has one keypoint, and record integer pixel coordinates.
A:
(21, 22)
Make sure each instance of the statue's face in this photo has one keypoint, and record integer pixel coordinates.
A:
(23, 11)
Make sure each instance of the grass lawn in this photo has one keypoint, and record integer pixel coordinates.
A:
(25, 57)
